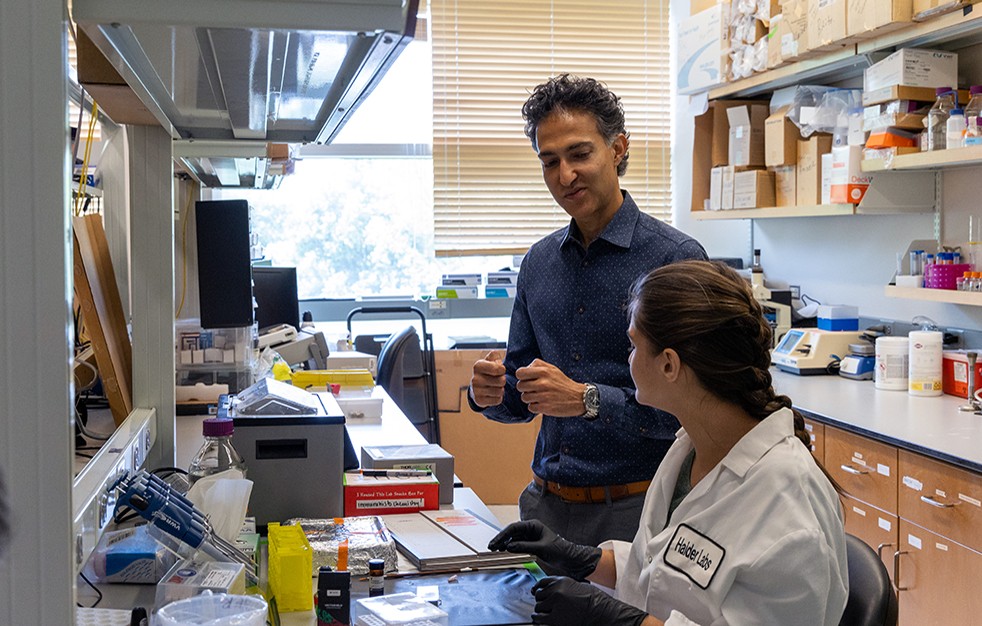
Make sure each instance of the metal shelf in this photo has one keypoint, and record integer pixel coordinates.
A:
(940, 159)
(821, 210)
(947, 296)
(950, 31)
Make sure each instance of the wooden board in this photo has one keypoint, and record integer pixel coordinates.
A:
(102, 313)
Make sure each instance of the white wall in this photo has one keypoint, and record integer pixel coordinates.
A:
(837, 260)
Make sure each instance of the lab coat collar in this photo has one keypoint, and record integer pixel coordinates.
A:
(771, 431)
(620, 230)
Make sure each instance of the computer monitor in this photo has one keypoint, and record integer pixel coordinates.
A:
(275, 291)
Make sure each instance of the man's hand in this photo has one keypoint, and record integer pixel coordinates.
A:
(488, 380)
(545, 389)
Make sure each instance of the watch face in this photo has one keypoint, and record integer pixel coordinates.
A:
(592, 398)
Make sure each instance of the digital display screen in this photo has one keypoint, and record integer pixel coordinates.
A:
(789, 342)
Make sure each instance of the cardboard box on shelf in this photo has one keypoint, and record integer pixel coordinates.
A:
(849, 182)
(710, 147)
(913, 67)
(786, 186)
(902, 92)
(726, 195)
(698, 6)
(746, 135)
(809, 175)
(716, 189)
(827, 178)
(753, 189)
(781, 138)
(703, 44)
(923, 9)
(788, 37)
(865, 16)
(826, 23)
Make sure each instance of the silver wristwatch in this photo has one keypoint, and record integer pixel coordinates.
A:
(591, 400)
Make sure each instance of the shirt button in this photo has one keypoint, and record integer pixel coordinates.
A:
(580, 309)
(586, 263)
(649, 559)
(565, 449)
(576, 356)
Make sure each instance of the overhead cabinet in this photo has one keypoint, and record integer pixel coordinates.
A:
(285, 71)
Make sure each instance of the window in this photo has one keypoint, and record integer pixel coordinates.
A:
(356, 217)
(487, 56)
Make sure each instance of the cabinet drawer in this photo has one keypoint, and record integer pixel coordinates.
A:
(817, 432)
(876, 528)
(937, 578)
(865, 469)
(941, 498)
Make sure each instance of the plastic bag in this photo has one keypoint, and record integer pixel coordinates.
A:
(831, 115)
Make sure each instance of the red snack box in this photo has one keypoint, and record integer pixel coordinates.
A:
(384, 495)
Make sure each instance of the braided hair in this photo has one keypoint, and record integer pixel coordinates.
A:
(707, 313)
(568, 93)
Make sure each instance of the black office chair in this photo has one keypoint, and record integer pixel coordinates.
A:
(403, 375)
(872, 600)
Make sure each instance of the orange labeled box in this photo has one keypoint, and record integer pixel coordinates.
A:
(954, 373)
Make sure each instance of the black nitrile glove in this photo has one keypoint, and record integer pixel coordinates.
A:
(562, 601)
(532, 537)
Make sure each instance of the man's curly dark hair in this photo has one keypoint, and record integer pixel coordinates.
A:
(571, 93)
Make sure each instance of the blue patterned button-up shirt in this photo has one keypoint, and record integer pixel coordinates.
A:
(570, 311)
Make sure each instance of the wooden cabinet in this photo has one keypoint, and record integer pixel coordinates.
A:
(816, 430)
(923, 516)
(865, 469)
(941, 498)
(937, 579)
(875, 527)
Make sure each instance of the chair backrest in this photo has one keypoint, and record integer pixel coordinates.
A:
(872, 600)
(390, 363)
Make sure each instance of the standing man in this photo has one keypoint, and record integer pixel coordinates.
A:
(567, 356)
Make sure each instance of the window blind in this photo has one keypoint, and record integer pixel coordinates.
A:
(489, 196)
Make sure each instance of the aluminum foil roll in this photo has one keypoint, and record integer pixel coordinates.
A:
(366, 538)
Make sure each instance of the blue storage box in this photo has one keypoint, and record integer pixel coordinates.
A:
(838, 317)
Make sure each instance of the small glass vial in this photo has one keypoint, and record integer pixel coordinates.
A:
(217, 454)
(376, 577)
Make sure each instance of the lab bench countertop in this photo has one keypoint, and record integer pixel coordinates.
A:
(932, 426)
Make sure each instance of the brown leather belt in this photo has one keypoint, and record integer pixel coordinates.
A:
(596, 495)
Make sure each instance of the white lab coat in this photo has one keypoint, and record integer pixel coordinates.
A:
(759, 540)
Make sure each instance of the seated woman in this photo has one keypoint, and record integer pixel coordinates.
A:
(740, 525)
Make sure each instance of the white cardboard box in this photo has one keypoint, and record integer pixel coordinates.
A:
(703, 43)
(849, 182)
(726, 196)
(716, 189)
(913, 67)
(827, 178)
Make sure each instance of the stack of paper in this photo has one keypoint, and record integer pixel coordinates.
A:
(448, 540)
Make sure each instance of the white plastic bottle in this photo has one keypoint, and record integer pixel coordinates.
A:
(892, 355)
(936, 122)
(924, 375)
(955, 135)
(217, 454)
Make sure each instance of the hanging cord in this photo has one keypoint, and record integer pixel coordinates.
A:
(83, 177)
(94, 588)
(192, 191)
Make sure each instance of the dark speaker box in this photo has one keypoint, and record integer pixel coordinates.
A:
(224, 263)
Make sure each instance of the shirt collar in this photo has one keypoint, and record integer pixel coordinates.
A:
(619, 231)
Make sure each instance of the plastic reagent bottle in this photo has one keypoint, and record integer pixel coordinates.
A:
(937, 119)
(973, 132)
(217, 454)
(974, 107)
(955, 135)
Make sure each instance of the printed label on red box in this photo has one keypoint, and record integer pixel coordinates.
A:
(380, 495)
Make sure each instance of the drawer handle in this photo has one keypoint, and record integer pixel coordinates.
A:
(896, 571)
(937, 503)
(879, 549)
(852, 470)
